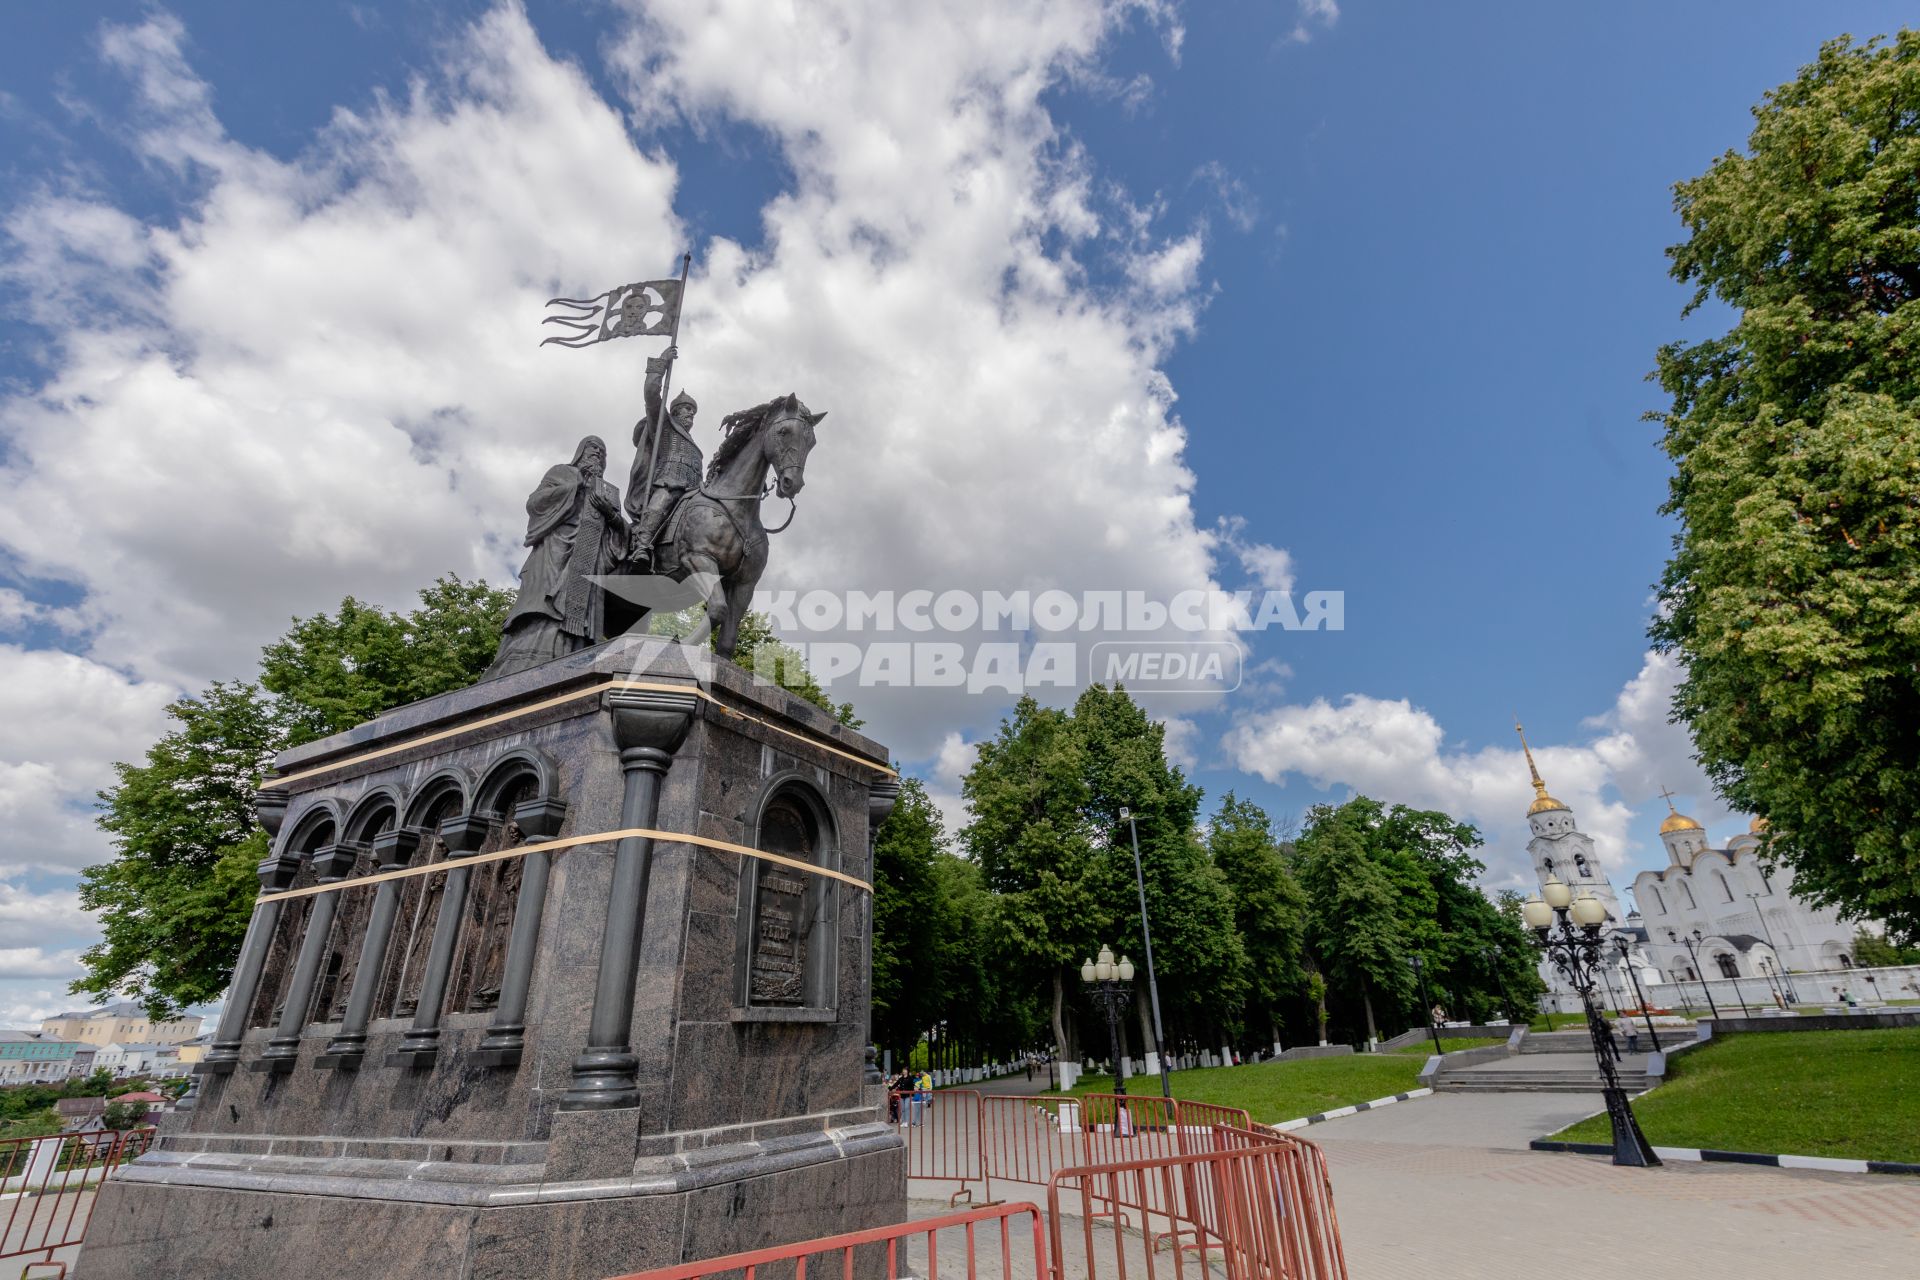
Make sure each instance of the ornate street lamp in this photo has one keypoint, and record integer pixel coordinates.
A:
(1426, 1001)
(1146, 933)
(1112, 982)
(1705, 990)
(1568, 929)
(1625, 949)
(1786, 970)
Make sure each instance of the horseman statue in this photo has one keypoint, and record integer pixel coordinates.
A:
(667, 441)
(702, 531)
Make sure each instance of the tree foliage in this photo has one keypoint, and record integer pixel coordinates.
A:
(1793, 594)
(1269, 908)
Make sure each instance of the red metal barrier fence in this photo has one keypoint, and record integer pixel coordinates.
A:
(1134, 1187)
(47, 1186)
(944, 1136)
(961, 1136)
(1246, 1211)
(1011, 1250)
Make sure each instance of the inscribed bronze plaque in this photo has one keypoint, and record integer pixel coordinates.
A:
(778, 966)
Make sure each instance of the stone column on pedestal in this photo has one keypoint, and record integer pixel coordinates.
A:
(881, 797)
(648, 727)
(463, 836)
(393, 850)
(330, 865)
(276, 872)
(538, 821)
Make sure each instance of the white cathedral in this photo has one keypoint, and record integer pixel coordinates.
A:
(1741, 919)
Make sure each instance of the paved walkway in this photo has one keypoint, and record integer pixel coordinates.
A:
(1443, 1188)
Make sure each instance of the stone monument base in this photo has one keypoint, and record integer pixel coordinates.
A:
(558, 977)
(275, 1209)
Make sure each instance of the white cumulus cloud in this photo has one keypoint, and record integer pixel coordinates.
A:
(1398, 752)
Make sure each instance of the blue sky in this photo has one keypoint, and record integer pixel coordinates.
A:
(1400, 266)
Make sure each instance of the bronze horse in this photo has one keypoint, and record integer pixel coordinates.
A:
(716, 532)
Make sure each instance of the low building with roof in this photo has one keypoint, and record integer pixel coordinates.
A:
(32, 1057)
(141, 1060)
(121, 1022)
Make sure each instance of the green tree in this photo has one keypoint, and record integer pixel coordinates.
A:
(1871, 951)
(1793, 594)
(41, 1123)
(173, 904)
(1199, 962)
(1269, 909)
(1354, 925)
(124, 1115)
(907, 914)
(95, 1084)
(1028, 833)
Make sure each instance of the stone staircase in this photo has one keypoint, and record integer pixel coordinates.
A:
(1576, 1041)
(1541, 1071)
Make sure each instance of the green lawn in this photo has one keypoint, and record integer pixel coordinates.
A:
(1275, 1091)
(1452, 1044)
(1808, 1093)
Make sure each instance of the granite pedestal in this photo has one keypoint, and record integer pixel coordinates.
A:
(566, 1063)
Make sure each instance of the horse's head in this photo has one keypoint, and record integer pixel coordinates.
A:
(788, 441)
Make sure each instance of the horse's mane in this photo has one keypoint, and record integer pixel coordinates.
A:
(738, 429)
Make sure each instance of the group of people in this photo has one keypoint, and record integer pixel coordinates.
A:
(908, 1093)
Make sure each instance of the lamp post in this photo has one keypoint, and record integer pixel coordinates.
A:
(1112, 983)
(1625, 949)
(1492, 955)
(1786, 970)
(1568, 930)
(1689, 940)
(1146, 934)
(1426, 1001)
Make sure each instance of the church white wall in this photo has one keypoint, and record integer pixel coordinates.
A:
(1870, 988)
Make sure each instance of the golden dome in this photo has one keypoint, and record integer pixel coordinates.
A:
(1676, 820)
(1758, 827)
(1542, 802)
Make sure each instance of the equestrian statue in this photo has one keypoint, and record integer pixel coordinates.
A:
(702, 531)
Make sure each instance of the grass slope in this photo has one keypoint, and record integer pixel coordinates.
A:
(1453, 1044)
(1275, 1091)
(1850, 1094)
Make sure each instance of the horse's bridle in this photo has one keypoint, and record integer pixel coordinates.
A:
(793, 507)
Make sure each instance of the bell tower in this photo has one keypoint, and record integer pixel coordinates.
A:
(1559, 848)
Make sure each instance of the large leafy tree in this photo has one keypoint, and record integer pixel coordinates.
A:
(907, 910)
(1199, 961)
(1269, 909)
(1028, 832)
(173, 904)
(1793, 595)
(1354, 930)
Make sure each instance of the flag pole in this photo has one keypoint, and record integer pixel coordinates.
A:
(666, 381)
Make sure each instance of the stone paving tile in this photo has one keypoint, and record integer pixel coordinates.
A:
(1464, 1207)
